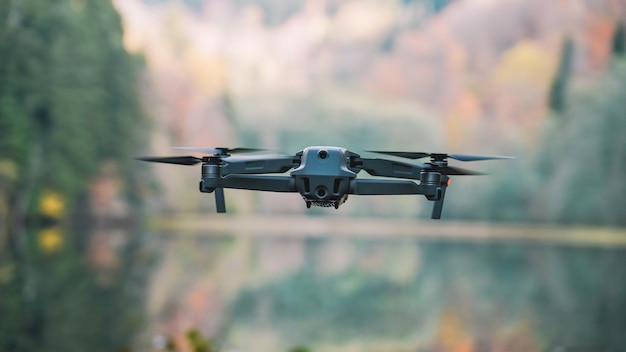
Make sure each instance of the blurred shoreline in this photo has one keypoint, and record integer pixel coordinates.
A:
(338, 226)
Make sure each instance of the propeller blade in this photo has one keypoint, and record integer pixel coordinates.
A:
(456, 171)
(407, 155)
(204, 150)
(245, 150)
(220, 150)
(220, 203)
(442, 156)
(463, 157)
(178, 160)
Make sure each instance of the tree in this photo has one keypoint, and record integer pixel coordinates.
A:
(558, 89)
(583, 182)
(69, 96)
(619, 40)
(68, 100)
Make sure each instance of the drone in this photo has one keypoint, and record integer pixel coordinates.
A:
(325, 175)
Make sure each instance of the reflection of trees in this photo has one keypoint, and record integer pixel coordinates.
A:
(57, 301)
(588, 308)
(495, 297)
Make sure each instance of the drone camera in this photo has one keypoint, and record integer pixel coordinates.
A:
(322, 154)
(321, 192)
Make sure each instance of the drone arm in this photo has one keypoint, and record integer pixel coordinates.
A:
(260, 183)
(434, 193)
(260, 165)
(390, 187)
(390, 168)
(251, 182)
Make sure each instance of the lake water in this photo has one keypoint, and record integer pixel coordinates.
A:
(396, 293)
(119, 290)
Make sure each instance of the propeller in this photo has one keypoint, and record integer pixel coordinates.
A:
(178, 160)
(441, 156)
(220, 150)
(465, 157)
(453, 170)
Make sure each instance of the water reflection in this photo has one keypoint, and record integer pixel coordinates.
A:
(72, 289)
(269, 293)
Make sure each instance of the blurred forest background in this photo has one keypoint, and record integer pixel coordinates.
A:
(87, 85)
(542, 82)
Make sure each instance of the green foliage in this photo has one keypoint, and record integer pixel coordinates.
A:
(574, 174)
(558, 89)
(299, 349)
(68, 100)
(69, 93)
(582, 161)
(15, 315)
(58, 302)
(197, 342)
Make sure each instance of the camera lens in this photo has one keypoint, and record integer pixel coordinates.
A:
(321, 192)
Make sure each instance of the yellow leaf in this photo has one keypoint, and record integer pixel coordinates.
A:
(525, 62)
(50, 239)
(51, 204)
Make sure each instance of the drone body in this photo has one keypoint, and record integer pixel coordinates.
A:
(324, 175)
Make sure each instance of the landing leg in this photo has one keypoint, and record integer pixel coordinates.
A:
(220, 203)
(438, 206)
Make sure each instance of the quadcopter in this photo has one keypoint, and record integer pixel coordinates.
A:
(324, 175)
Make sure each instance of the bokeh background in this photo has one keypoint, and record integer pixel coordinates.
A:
(101, 252)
